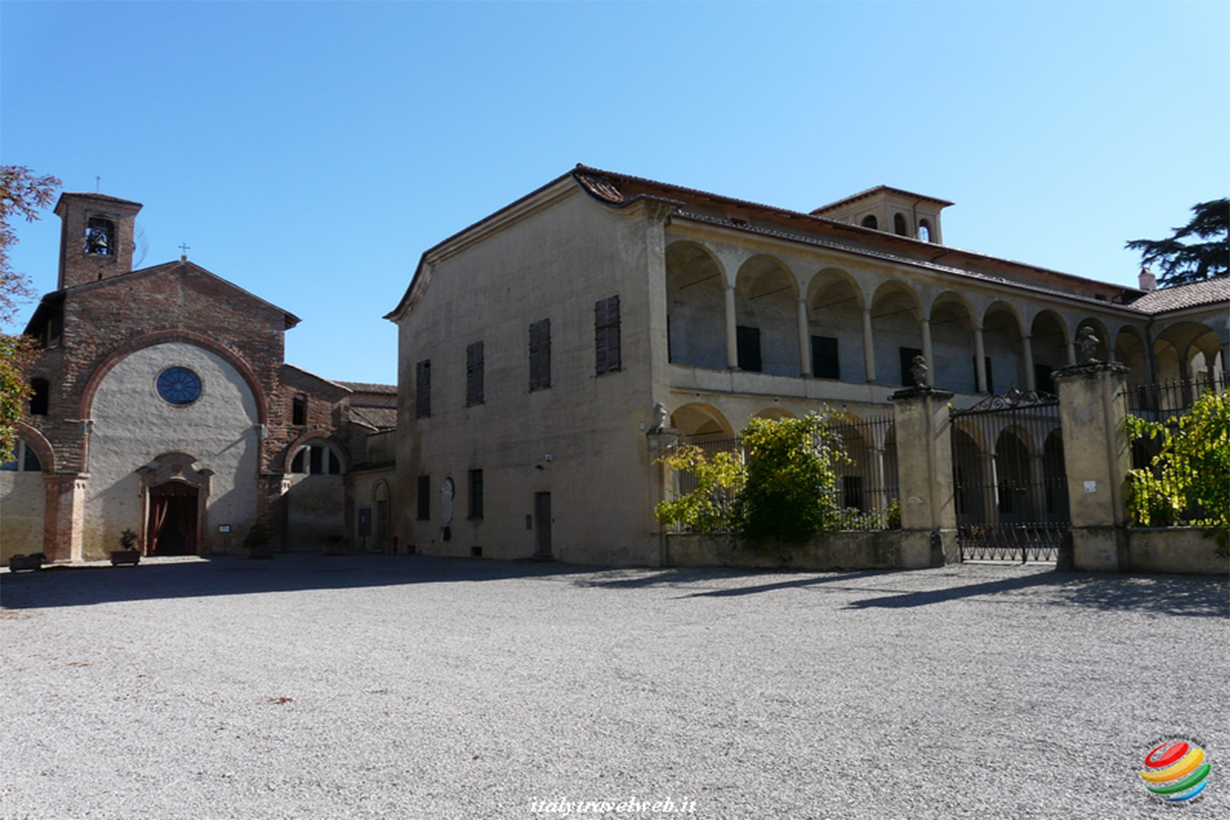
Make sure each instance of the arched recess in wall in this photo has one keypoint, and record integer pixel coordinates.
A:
(1002, 331)
(1194, 353)
(1103, 349)
(169, 336)
(969, 466)
(316, 453)
(952, 343)
(1130, 350)
(697, 420)
(381, 512)
(1013, 473)
(774, 413)
(1050, 348)
(695, 307)
(766, 317)
(835, 326)
(897, 333)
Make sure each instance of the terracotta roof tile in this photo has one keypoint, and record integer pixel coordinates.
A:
(1179, 297)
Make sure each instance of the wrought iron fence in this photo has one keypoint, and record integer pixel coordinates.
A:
(1010, 478)
(867, 491)
(1165, 403)
(1166, 400)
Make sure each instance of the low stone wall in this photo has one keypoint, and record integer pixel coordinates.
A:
(1173, 549)
(846, 550)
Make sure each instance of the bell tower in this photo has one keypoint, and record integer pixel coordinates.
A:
(96, 237)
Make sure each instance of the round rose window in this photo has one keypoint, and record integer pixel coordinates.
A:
(179, 385)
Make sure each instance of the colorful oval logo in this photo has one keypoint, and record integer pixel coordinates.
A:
(1175, 771)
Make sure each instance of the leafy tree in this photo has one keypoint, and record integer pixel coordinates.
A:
(25, 194)
(707, 508)
(1183, 262)
(791, 489)
(1190, 473)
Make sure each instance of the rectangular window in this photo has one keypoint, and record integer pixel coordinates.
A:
(422, 389)
(423, 508)
(986, 361)
(748, 343)
(474, 374)
(540, 355)
(476, 493)
(606, 335)
(1042, 378)
(298, 410)
(907, 361)
(852, 489)
(824, 361)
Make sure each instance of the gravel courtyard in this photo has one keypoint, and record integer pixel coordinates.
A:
(387, 686)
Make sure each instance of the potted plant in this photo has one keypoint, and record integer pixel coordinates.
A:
(27, 562)
(256, 542)
(128, 552)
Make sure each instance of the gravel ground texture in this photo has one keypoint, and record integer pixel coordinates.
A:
(392, 686)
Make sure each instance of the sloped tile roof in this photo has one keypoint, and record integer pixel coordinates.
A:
(381, 418)
(1206, 292)
(369, 387)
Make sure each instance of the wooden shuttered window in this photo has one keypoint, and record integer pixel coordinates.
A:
(606, 335)
(474, 374)
(907, 361)
(824, 361)
(423, 511)
(422, 389)
(748, 346)
(540, 355)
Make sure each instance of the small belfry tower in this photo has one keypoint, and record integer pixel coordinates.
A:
(96, 237)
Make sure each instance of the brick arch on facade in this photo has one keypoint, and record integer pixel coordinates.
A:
(319, 436)
(167, 337)
(41, 447)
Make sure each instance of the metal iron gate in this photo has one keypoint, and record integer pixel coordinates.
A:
(1009, 476)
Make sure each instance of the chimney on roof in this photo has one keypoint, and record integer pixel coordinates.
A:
(1148, 282)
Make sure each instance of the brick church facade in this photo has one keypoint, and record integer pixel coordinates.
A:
(162, 404)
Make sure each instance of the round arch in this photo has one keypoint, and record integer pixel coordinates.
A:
(168, 336)
(42, 448)
(316, 437)
(699, 419)
(896, 311)
(695, 306)
(767, 315)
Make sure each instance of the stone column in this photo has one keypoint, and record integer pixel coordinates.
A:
(869, 347)
(661, 440)
(64, 516)
(926, 352)
(924, 470)
(1071, 352)
(1097, 456)
(732, 333)
(805, 363)
(1027, 348)
(990, 487)
(879, 498)
(980, 360)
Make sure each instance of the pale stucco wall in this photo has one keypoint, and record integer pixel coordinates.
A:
(1174, 549)
(22, 499)
(554, 263)
(133, 426)
(315, 511)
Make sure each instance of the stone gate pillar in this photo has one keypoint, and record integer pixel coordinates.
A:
(1097, 455)
(924, 467)
(662, 438)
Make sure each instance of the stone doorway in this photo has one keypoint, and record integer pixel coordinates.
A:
(171, 528)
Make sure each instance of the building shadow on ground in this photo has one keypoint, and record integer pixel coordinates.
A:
(67, 586)
(1187, 595)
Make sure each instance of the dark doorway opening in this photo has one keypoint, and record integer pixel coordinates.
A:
(172, 525)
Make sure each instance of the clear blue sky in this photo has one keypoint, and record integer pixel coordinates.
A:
(311, 152)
